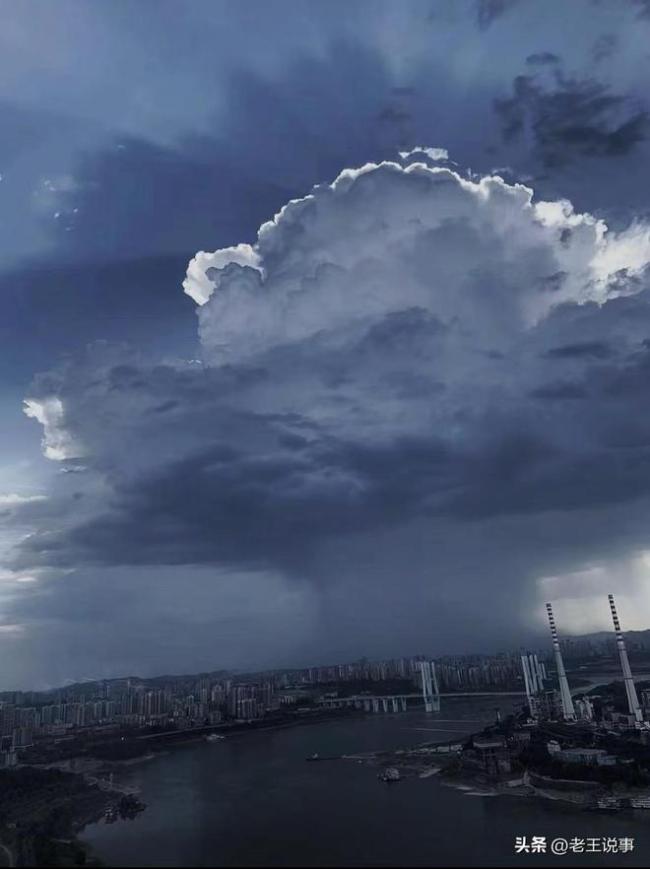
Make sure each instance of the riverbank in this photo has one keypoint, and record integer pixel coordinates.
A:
(237, 728)
(424, 762)
(42, 812)
(455, 767)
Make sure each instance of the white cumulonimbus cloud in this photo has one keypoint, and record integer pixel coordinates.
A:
(385, 238)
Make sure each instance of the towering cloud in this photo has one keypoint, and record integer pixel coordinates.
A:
(403, 352)
(401, 342)
(384, 239)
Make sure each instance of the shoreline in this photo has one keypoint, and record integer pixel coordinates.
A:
(580, 793)
(172, 737)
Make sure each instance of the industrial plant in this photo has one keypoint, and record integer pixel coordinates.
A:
(547, 703)
(575, 739)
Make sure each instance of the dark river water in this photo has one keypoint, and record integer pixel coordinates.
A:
(252, 800)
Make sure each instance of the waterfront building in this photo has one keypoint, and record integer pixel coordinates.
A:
(586, 756)
(493, 753)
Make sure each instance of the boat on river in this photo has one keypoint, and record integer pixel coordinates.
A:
(390, 774)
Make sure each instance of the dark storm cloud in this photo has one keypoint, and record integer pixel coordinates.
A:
(25, 130)
(542, 58)
(225, 505)
(488, 11)
(553, 283)
(129, 300)
(136, 197)
(114, 622)
(394, 115)
(643, 7)
(572, 118)
(609, 463)
(593, 349)
(604, 47)
(559, 390)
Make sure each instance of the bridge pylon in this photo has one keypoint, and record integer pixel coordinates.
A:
(430, 691)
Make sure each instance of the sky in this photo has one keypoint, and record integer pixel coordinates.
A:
(325, 330)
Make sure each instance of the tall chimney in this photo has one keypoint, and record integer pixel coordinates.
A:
(630, 689)
(565, 695)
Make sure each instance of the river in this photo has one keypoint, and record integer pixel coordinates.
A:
(252, 800)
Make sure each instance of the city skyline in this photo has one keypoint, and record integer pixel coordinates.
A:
(32, 721)
(600, 643)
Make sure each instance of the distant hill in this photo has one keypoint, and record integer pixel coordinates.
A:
(594, 647)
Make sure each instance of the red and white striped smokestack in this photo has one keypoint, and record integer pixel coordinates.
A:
(630, 689)
(565, 694)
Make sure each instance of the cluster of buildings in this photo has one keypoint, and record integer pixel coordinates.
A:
(479, 672)
(362, 670)
(105, 706)
(187, 702)
(584, 755)
(455, 673)
(603, 645)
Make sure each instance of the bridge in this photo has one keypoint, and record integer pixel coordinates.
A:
(381, 703)
(399, 702)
